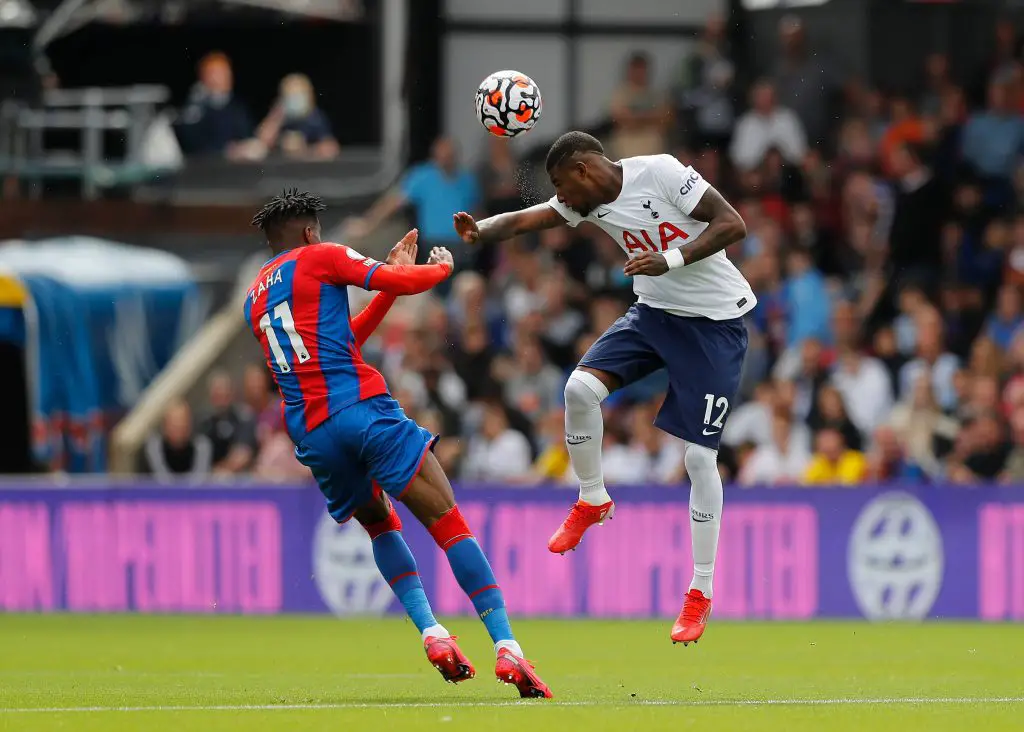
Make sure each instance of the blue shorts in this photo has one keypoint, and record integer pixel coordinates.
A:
(703, 359)
(362, 450)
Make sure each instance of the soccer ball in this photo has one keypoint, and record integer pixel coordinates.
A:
(508, 103)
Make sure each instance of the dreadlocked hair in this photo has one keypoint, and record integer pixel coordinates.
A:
(291, 204)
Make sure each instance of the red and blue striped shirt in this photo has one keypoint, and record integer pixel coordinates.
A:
(298, 310)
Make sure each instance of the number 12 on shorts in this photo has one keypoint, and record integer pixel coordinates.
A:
(710, 405)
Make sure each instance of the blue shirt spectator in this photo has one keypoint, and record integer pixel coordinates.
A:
(993, 140)
(435, 189)
(436, 194)
(1007, 319)
(807, 301)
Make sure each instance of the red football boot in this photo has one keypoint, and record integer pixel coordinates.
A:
(690, 624)
(511, 669)
(444, 654)
(581, 517)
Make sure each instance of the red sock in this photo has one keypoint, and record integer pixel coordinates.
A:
(450, 528)
(391, 523)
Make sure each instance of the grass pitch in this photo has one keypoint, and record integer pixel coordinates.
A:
(120, 673)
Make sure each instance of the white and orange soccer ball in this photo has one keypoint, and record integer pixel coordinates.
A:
(508, 103)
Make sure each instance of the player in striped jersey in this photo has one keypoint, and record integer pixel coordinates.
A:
(361, 447)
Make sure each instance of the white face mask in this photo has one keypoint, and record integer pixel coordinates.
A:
(296, 106)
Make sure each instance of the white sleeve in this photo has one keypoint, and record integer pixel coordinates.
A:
(571, 217)
(681, 184)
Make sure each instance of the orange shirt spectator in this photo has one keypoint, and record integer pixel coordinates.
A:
(906, 127)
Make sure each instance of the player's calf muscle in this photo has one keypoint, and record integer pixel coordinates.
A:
(430, 495)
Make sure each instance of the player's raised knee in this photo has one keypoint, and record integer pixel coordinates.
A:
(583, 390)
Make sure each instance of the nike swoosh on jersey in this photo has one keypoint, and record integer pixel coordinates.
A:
(712, 432)
(602, 215)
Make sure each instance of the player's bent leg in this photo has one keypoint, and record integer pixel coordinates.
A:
(398, 566)
(623, 354)
(706, 499)
(585, 389)
(431, 499)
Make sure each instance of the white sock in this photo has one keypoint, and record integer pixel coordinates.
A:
(705, 513)
(584, 433)
(435, 631)
(509, 644)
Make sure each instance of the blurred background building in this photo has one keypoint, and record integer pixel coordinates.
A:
(872, 146)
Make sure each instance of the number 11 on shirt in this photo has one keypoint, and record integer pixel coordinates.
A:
(283, 312)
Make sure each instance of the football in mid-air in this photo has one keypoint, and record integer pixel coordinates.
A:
(508, 103)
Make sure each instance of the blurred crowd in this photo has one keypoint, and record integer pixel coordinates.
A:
(216, 122)
(886, 248)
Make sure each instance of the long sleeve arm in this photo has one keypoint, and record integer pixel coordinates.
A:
(406, 279)
(364, 324)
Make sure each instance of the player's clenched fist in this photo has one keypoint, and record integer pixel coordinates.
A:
(466, 228)
(440, 255)
(651, 264)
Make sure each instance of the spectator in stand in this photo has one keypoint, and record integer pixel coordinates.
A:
(781, 461)
(981, 452)
(863, 382)
(921, 427)
(499, 178)
(276, 461)
(1001, 63)
(887, 460)
(830, 414)
(808, 302)
(914, 250)
(261, 397)
(806, 80)
(473, 358)
(213, 121)
(1013, 470)
(933, 359)
(552, 463)
(834, 462)
(751, 422)
(937, 84)
(640, 115)
(532, 385)
(562, 324)
(295, 125)
(435, 189)
(905, 128)
(230, 428)
(765, 126)
(497, 453)
(707, 94)
(1007, 319)
(949, 128)
(177, 451)
(993, 141)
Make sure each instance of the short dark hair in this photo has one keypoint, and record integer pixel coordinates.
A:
(291, 204)
(570, 144)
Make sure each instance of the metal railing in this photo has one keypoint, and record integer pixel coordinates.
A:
(92, 112)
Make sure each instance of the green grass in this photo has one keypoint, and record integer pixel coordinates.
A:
(349, 676)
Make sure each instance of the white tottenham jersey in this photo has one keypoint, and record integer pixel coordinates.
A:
(652, 213)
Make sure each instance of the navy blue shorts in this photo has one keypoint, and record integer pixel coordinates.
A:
(362, 450)
(703, 359)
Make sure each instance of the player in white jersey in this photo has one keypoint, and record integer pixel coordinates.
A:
(674, 227)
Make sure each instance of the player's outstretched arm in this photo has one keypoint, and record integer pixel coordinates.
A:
(413, 279)
(506, 225)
